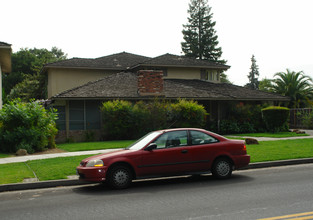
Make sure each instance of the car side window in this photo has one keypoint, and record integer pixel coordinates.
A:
(172, 139)
(198, 138)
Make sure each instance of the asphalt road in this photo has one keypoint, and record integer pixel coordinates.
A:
(249, 194)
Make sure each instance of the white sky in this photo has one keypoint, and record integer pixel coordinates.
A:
(278, 32)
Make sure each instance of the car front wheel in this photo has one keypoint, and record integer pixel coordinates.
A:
(119, 177)
(222, 168)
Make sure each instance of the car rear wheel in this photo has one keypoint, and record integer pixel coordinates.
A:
(222, 168)
(119, 177)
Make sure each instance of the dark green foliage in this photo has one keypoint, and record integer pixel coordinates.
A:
(200, 38)
(117, 119)
(296, 85)
(242, 118)
(276, 118)
(124, 120)
(253, 75)
(26, 126)
(25, 77)
(188, 114)
(307, 119)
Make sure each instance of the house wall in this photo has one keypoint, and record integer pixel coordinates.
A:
(192, 73)
(60, 80)
(183, 73)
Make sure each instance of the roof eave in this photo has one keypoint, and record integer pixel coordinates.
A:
(181, 66)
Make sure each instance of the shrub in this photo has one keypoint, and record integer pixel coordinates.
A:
(229, 127)
(124, 120)
(307, 120)
(276, 118)
(149, 116)
(188, 114)
(117, 119)
(26, 126)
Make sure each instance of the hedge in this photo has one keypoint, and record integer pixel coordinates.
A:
(125, 120)
(276, 118)
(26, 126)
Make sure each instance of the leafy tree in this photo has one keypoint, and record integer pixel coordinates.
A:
(266, 85)
(253, 75)
(26, 126)
(295, 85)
(26, 65)
(200, 39)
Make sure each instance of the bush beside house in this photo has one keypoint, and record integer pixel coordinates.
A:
(276, 118)
(124, 120)
(26, 126)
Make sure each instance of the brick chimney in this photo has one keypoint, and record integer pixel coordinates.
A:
(150, 82)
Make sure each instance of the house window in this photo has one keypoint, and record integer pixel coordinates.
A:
(204, 74)
(77, 115)
(210, 76)
(93, 114)
(61, 122)
(84, 115)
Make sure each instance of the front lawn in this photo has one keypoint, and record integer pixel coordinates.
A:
(281, 150)
(71, 147)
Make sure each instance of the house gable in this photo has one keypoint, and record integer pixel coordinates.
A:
(67, 74)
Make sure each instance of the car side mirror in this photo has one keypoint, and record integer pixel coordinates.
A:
(151, 147)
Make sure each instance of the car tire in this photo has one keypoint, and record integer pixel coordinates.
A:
(119, 177)
(222, 168)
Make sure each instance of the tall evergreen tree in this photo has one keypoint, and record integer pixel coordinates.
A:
(200, 39)
(253, 75)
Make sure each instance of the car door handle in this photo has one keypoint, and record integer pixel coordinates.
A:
(184, 151)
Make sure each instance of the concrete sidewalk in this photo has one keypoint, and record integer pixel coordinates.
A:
(47, 156)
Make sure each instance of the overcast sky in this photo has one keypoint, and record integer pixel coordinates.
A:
(278, 32)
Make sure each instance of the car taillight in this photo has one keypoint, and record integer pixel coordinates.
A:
(244, 148)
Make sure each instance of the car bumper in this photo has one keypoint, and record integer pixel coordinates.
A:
(92, 174)
(241, 161)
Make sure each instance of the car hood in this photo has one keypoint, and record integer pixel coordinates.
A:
(122, 152)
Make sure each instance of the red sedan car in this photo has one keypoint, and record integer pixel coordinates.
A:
(166, 153)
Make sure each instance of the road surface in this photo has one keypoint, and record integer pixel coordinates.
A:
(249, 194)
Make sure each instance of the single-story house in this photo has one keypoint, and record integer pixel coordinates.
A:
(77, 87)
(5, 63)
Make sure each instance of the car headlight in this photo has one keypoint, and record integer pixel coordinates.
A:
(94, 163)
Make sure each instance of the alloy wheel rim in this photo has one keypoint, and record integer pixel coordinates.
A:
(223, 168)
(120, 177)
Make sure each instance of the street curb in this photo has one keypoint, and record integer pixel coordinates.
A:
(65, 182)
(277, 163)
(40, 185)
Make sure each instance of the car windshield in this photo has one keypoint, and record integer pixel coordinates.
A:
(144, 140)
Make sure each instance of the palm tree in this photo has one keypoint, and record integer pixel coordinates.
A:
(295, 85)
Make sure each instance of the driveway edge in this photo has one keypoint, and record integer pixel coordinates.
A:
(66, 182)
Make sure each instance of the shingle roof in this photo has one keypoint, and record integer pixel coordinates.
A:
(182, 61)
(124, 86)
(119, 61)
(124, 61)
(4, 44)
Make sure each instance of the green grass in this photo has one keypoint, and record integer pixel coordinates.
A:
(48, 169)
(71, 147)
(14, 173)
(5, 155)
(272, 135)
(281, 150)
(55, 168)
